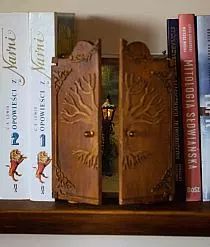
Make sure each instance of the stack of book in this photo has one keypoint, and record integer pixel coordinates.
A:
(27, 44)
(189, 45)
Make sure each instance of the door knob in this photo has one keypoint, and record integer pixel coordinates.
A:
(89, 133)
(131, 133)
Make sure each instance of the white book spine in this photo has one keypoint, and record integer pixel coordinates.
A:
(14, 106)
(42, 49)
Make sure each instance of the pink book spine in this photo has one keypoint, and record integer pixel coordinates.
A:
(190, 106)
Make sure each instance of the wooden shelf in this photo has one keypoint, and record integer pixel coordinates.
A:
(174, 219)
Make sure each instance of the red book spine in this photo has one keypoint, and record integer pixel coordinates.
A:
(190, 106)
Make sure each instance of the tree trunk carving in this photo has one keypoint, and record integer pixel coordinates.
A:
(147, 109)
(76, 109)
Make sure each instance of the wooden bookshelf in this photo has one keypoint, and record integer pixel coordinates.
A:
(173, 219)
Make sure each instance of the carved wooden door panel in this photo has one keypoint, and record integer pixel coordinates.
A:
(76, 125)
(145, 152)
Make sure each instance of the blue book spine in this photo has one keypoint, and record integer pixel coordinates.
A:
(203, 49)
(173, 53)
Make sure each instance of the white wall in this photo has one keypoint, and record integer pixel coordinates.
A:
(143, 20)
(109, 20)
(100, 241)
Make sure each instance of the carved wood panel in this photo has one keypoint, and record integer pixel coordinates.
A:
(76, 125)
(145, 111)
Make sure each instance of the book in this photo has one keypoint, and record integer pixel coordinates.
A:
(203, 48)
(14, 106)
(188, 63)
(173, 53)
(50, 34)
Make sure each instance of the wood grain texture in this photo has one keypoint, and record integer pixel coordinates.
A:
(76, 121)
(172, 219)
(145, 110)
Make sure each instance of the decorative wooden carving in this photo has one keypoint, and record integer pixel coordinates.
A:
(77, 125)
(145, 111)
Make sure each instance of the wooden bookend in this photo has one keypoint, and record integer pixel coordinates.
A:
(145, 110)
(77, 125)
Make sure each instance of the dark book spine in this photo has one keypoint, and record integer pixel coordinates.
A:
(190, 104)
(173, 53)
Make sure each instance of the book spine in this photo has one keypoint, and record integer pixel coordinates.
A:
(65, 38)
(190, 114)
(14, 104)
(42, 49)
(173, 53)
(203, 44)
(49, 32)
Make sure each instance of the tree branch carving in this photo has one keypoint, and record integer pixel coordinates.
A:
(80, 105)
(148, 107)
(87, 158)
(166, 77)
(75, 107)
(59, 77)
(132, 159)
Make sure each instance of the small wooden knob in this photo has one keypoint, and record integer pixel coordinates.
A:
(131, 133)
(89, 133)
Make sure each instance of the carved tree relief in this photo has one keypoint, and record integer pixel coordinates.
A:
(75, 110)
(77, 124)
(147, 109)
(145, 125)
(59, 77)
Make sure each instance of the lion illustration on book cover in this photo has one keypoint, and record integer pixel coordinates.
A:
(43, 160)
(16, 157)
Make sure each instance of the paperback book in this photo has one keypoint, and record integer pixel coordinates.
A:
(188, 61)
(51, 34)
(173, 53)
(14, 106)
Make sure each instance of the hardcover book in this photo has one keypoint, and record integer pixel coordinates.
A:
(65, 35)
(49, 33)
(203, 44)
(190, 106)
(173, 53)
(14, 105)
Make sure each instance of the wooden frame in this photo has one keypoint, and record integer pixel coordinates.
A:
(172, 219)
